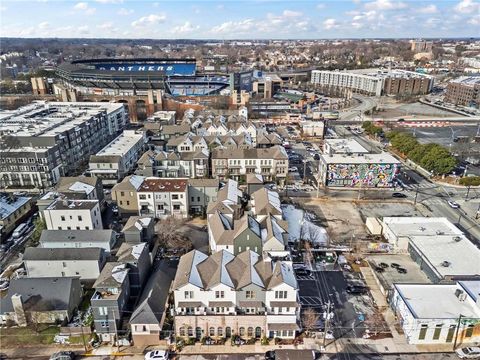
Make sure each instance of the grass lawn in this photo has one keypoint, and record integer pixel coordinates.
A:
(11, 337)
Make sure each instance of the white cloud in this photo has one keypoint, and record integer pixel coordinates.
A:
(3, 8)
(83, 6)
(106, 26)
(83, 30)
(385, 5)
(220, 7)
(125, 12)
(429, 9)
(467, 7)
(110, 1)
(474, 20)
(291, 13)
(152, 19)
(44, 25)
(186, 28)
(228, 27)
(320, 6)
(329, 24)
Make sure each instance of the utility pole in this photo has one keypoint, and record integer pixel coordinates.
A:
(416, 194)
(456, 331)
(304, 169)
(327, 323)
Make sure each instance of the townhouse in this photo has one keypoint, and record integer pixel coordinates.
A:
(222, 295)
(161, 198)
(64, 214)
(271, 163)
(125, 195)
(78, 239)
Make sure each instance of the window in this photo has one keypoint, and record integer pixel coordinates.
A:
(128, 202)
(438, 330)
(87, 227)
(193, 199)
(423, 332)
(78, 227)
(250, 332)
(62, 218)
(220, 331)
(176, 207)
(175, 196)
(104, 323)
(142, 197)
(211, 331)
(281, 294)
(122, 193)
(188, 294)
(103, 310)
(79, 217)
(190, 331)
(250, 294)
(69, 228)
(469, 331)
(181, 331)
(219, 294)
(241, 331)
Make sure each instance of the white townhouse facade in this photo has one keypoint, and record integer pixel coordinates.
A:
(65, 214)
(223, 294)
(163, 197)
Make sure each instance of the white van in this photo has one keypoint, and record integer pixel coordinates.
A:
(19, 231)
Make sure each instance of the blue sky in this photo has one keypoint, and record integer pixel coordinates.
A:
(261, 19)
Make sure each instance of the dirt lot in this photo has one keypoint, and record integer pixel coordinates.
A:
(340, 218)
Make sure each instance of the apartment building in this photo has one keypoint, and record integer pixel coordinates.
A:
(81, 187)
(223, 295)
(78, 239)
(50, 140)
(201, 192)
(375, 82)
(194, 164)
(161, 198)
(464, 91)
(118, 158)
(85, 263)
(271, 163)
(73, 215)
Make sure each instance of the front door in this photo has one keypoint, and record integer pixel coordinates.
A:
(228, 332)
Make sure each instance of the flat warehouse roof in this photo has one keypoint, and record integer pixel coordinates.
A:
(121, 144)
(420, 297)
(448, 255)
(383, 158)
(420, 226)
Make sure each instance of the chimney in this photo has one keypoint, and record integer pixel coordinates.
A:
(17, 304)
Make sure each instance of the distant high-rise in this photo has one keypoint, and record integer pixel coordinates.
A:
(421, 46)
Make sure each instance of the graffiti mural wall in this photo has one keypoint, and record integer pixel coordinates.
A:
(361, 175)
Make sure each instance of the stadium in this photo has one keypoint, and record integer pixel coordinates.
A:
(130, 77)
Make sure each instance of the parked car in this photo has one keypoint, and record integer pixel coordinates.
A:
(395, 265)
(355, 289)
(270, 355)
(453, 204)
(19, 231)
(302, 272)
(468, 353)
(4, 283)
(329, 335)
(379, 269)
(383, 265)
(293, 169)
(63, 355)
(157, 355)
(399, 195)
(401, 270)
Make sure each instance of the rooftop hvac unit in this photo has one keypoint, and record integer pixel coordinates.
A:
(458, 292)
(457, 238)
(462, 297)
(446, 263)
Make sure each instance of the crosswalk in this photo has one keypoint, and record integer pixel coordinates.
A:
(414, 187)
(305, 277)
(311, 300)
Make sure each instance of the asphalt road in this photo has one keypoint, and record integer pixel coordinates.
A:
(366, 103)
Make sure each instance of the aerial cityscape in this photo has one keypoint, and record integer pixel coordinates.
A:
(248, 180)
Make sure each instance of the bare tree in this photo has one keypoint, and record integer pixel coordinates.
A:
(310, 319)
(375, 323)
(169, 233)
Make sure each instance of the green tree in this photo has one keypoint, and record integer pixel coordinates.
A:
(40, 225)
(470, 181)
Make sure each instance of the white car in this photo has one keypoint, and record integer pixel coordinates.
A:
(453, 204)
(293, 169)
(157, 355)
(468, 353)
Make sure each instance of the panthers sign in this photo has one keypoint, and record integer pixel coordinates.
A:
(168, 69)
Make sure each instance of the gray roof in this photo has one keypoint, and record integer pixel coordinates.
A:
(49, 254)
(112, 276)
(41, 294)
(204, 183)
(76, 235)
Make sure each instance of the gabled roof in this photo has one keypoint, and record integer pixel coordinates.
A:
(243, 271)
(149, 311)
(112, 276)
(128, 252)
(187, 272)
(221, 228)
(131, 182)
(213, 270)
(137, 223)
(40, 293)
(282, 274)
(62, 254)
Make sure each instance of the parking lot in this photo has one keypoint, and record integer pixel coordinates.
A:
(390, 275)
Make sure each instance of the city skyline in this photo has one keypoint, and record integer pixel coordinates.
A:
(225, 20)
